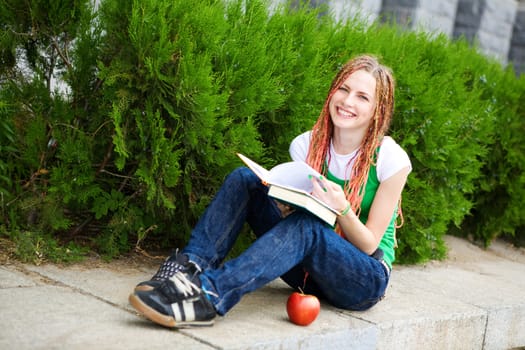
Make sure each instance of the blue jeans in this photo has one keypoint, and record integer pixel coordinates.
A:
(337, 271)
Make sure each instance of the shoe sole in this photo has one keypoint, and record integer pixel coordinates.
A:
(144, 288)
(163, 320)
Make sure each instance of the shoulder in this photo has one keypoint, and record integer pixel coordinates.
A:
(299, 146)
(391, 158)
(302, 139)
(390, 145)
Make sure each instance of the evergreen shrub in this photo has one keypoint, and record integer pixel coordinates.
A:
(499, 197)
(159, 99)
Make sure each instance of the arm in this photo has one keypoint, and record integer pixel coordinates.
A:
(367, 236)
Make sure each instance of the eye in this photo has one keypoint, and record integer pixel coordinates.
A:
(364, 97)
(343, 88)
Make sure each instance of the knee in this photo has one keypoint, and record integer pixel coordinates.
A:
(242, 175)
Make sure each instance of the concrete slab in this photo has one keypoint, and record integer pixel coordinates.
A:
(488, 282)
(473, 300)
(260, 321)
(110, 284)
(11, 278)
(414, 318)
(507, 251)
(54, 317)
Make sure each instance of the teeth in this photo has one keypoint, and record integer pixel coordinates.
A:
(345, 114)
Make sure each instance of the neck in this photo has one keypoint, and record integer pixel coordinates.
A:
(346, 143)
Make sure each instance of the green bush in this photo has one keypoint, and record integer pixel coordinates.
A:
(37, 248)
(158, 100)
(7, 138)
(499, 196)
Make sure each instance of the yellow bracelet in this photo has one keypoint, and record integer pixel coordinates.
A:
(345, 210)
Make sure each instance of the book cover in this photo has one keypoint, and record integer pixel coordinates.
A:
(289, 183)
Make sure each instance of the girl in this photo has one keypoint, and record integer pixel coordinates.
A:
(364, 173)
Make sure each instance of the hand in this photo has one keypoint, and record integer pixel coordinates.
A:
(329, 192)
(285, 209)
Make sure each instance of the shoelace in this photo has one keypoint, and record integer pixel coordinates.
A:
(187, 287)
(184, 285)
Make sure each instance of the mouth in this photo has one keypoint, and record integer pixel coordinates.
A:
(345, 114)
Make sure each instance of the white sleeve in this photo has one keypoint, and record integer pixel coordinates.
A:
(299, 147)
(391, 159)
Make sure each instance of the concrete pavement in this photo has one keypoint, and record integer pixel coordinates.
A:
(473, 300)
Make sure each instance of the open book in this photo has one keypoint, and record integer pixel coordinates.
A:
(289, 183)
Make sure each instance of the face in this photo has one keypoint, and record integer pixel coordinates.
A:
(352, 105)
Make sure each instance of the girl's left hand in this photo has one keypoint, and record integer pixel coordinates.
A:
(329, 192)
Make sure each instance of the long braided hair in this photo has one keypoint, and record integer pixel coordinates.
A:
(322, 131)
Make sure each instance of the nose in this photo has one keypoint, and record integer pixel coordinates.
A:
(349, 100)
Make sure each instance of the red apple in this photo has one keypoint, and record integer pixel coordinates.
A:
(302, 308)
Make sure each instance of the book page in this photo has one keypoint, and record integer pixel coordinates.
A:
(289, 174)
(262, 173)
(293, 174)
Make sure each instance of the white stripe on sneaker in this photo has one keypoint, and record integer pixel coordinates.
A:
(176, 312)
(184, 310)
(189, 309)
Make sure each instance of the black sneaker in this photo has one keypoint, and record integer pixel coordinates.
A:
(177, 302)
(174, 263)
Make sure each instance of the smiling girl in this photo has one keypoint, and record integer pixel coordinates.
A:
(364, 172)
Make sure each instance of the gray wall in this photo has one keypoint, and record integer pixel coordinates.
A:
(517, 44)
(497, 27)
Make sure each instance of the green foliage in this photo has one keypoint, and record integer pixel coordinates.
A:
(7, 138)
(155, 100)
(498, 208)
(37, 248)
(43, 29)
(446, 126)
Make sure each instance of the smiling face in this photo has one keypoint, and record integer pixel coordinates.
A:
(356, 114)
(352, 106)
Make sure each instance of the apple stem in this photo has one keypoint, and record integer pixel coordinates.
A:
(304, 281)
(300, 290)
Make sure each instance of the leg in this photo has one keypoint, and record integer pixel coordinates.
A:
(300, 280)
(242, 198)
(347, 277)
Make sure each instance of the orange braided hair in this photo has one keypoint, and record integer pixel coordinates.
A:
(322, 130)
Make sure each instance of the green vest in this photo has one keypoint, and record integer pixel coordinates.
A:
(388, 241)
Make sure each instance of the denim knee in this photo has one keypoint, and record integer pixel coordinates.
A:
(242, 175)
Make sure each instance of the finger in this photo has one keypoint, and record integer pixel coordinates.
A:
(321, 183)
(330, 185)
(324, 183)
(318, 187)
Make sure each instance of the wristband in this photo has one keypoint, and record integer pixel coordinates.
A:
(345, 210)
